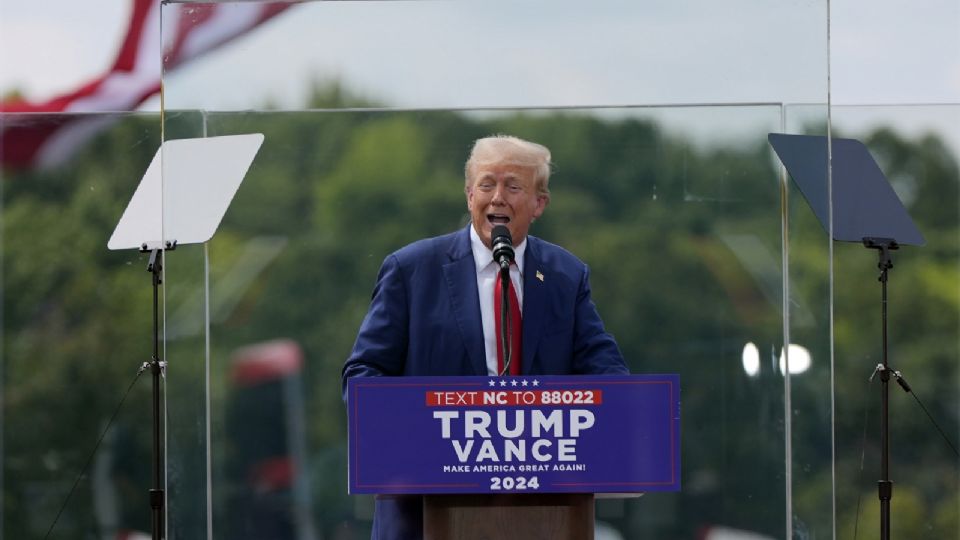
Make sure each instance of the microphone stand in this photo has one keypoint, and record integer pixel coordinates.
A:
(505, 319)
(503, 255)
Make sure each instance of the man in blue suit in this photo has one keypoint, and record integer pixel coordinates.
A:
(432, 310)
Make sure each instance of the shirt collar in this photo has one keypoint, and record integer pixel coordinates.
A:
(483, 256)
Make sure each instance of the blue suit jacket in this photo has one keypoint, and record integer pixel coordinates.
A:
(424, 319)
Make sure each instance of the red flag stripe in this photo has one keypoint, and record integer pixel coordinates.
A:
(135, 34)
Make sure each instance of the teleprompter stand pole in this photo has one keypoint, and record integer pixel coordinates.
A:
(885, 485)
(156, 367)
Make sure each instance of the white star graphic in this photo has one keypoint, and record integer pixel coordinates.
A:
(524, 383)
(492, 382)
(513, 382)
(503, 383)
(536, 382)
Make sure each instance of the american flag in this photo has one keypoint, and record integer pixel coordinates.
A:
(189, 30)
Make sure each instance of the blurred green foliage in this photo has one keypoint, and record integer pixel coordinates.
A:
(684, 240)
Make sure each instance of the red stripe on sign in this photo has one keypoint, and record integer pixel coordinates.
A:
(494, 398)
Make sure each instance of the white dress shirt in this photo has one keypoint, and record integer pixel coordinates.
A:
(487, 273)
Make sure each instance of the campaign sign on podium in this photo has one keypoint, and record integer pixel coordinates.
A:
(525, 434)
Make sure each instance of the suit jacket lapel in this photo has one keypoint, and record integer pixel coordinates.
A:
(460, 275)
(534, 302)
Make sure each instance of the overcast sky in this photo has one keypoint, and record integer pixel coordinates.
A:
(883, 51)
(524, 53)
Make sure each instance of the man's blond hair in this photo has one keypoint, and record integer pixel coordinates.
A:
(509, 150)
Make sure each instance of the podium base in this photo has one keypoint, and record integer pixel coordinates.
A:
(549, 516)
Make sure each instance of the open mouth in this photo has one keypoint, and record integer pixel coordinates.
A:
(498, 219)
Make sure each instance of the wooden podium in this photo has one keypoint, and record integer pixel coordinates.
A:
(534, 516)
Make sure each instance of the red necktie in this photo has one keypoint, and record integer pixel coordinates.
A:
(516, 327)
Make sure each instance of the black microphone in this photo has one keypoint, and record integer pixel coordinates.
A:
(502, 246)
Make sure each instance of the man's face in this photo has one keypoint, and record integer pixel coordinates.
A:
(502, 194)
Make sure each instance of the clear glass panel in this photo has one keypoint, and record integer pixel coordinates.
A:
(678, 206)
(685, 270)
(77, 325)
(186, 384)
(498, 53)
(807, 363)
(918, 149)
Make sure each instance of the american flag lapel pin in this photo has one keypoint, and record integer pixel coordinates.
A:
(540, 275)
